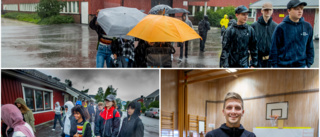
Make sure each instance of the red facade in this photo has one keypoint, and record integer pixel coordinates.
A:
(308, 14)
(224, 3)
(11, 89)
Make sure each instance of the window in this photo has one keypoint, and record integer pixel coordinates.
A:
(71, 7)
(37, 99)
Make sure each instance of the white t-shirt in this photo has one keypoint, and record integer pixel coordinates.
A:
(20, 134)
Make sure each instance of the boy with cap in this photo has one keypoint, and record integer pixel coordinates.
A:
(233, 111)
(237, 41)
(292, 44)
(264, 29)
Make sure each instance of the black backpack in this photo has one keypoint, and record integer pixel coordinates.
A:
(201, 26)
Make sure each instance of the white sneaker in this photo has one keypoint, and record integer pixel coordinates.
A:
(53, 129)
(61, 127)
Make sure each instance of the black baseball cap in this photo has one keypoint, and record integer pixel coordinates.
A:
(295, 3)
(242, 9)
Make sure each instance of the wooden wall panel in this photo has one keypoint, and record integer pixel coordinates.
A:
(303, 108)
(169, 93)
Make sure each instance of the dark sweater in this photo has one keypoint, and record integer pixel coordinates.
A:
(225, 131)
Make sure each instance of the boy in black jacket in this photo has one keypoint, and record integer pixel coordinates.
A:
(233, 111)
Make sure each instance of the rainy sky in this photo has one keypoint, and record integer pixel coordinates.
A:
(131, 83)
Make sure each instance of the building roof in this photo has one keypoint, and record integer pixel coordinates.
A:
(282, 4)
(46, 79)
(153, 94)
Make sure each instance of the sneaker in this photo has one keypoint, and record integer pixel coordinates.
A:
(53, 129)
(61, 128)
(180, 59)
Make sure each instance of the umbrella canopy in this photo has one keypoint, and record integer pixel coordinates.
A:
(160, 7)
(118, 21)
(158, 28)
(177, 10)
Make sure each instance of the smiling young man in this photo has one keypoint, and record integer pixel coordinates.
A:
(237, 41)
(292, 44)
(233, 111)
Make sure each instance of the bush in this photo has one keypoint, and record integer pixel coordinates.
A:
(198, 17)
(154, 104)
(33, 18)
(49, 8)
(143, 108)
(215, 17)
(58, 19)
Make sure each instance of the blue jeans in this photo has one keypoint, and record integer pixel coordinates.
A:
(57, 116)
(104, 54)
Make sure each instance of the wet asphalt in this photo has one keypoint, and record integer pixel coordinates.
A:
(29, 45)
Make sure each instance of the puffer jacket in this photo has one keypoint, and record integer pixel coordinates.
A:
(292, 44)
(110, 121)
(133, 127)
(28, 115)
(263, 31)
(238, 40)
(225, 131)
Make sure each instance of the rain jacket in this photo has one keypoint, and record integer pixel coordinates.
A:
(27, 116)
(108, 123)
(292, 44)
(232, 21)
(68, 119)
(224, 22)
(187, 20)
(205, 25)
(237, 41)
(133, 127)
(225, 131)
(57, 109)
(263, 31)
(91, 110)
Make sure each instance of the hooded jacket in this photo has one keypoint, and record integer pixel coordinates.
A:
(91, 110)
(237, 41)
(206, 26)
(108, 123)
(57, 108)
(27, 116)
(225, 131)
(224, 22)
(11, 115)
(67, 119)
(263, 31)
(133, 127)
(292, 44)
(187, 20)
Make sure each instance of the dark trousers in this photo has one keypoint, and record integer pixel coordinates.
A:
(203, 41)
(181, 49)
(57, 116)
(263, 63)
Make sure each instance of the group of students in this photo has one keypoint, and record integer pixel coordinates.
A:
(18, 120)
(288, 44)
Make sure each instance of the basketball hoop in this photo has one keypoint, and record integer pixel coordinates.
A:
(273, 120)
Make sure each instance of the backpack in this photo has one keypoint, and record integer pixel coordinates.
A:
(84, 128)
(201, 26)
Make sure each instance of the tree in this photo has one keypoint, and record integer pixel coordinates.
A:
(48, 8)
(110, 90)
(126, 106)
(143, 108)
(85, 91)
(154, 104)
(68, 82)
(99, 95)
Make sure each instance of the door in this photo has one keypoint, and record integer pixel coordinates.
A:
(84, 13)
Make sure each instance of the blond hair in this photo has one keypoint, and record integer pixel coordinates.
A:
(100, 104)
(232, 95)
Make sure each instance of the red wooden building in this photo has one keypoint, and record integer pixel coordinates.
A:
(83, 11)
(39, 91)
(310, 12)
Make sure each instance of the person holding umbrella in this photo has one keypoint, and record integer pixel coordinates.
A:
(104, 44)
(186, 20)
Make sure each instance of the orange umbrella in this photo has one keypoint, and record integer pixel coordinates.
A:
(159, 28)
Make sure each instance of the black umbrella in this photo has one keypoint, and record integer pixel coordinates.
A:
(160, 7)
(177, 10)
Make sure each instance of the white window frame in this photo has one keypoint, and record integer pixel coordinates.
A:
(35, 99)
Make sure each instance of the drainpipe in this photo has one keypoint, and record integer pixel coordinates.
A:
(205, 8)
